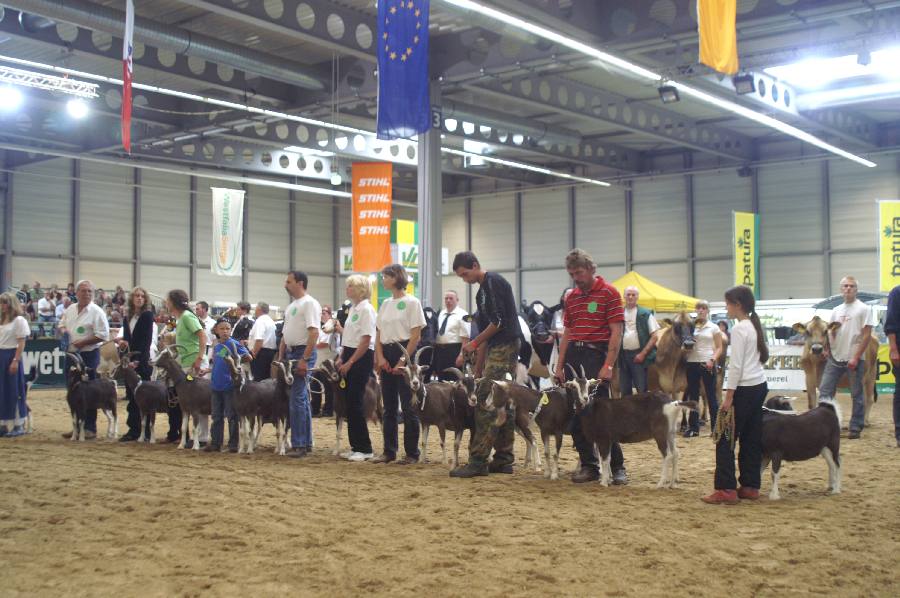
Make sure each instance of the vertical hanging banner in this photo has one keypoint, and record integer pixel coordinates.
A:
(372, 191)
(888, 244)
(746, 250)
(717, 25)
(404, 104)
(228, 231)
(127, 74)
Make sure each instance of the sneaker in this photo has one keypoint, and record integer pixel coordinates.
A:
(853, 435)
(748, 493)
(346, 454)
(128, 438)
(407, 460)
(724, 497)
(298, 453)
(382, 458)
(585, 474)
(16, 431)
(691, 434)
(620, 478)
(494, 467)
(212, 448)
(357, 457)
(470, 470)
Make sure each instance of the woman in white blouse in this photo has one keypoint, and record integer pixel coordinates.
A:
(356, 364)
(701, 366)
(14, 329)
(745, 393)
(400, 321)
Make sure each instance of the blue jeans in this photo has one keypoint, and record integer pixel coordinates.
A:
(897, 404)
(833, 372)
(222, 407)
(300, 414)
(631, 374)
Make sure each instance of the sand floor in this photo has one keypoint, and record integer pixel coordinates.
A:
(104, 518)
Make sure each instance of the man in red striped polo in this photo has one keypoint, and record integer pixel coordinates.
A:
(593, 318)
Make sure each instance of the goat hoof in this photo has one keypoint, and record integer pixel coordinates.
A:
(773, 496)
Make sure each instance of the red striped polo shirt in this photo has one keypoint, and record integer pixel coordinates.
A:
(587, 315)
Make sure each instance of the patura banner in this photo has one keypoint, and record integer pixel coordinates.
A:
(888, 244)
(746, 250)
(228, 231)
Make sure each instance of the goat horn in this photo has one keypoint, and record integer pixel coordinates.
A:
(419, 352)
(572, 369)
(405, 352)
(455, 373)
(583, 375)
(318, 382)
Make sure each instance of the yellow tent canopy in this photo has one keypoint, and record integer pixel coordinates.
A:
(655, 296)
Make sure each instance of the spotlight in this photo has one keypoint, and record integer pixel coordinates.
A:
(668, 94)
(744, 172)
(743, 84)
(10, 98)
(77, 109)
(336, 178)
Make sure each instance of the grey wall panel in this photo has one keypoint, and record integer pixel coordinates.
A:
(268, 228)
(203, 226)
(453, 233)
(660, 219)
(322, 288)
(792, 277)
(510, 277)
(864, 266)
(545, 227)
(212, 287)
(165, 216)
(674, 276)
(713, 278)
(42, 208)
(716, 196)
(263, 286)
(313, 235)
(404, 213)
(853, 190)
(544, 285)
(791, 208)
(345, 224)
(47, 271)
(107, 276)
(600, 223)
(107, 211)
(494, 232)
(455, 283)
(159, 280)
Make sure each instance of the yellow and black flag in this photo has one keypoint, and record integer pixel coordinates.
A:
(718, 34)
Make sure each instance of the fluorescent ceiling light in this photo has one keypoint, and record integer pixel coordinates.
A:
(820, 72)
(838, 97)
(643, 73)
(77, 108)
(520, 165)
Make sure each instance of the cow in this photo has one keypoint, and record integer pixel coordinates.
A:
(538, 318)
(815, 334)
(668, 372)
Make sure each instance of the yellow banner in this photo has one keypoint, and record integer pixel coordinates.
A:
(746, 250)
(885, 380)
(888, 244)
(716, 22)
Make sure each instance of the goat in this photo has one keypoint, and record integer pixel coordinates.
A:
(636, 418)
(194, 394)
(84, 394)
(787, 436)
(525, 400)
(30, 379)
(151, 396)
(248, 396)
(373, 408)
(446, 406)
(275, 408)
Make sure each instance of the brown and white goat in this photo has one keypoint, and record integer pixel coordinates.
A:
(248, 396)
(788, 436)
(194, 394)
(636, 418)
(276, 408)
(150, 396)
(446, 405)
(527, 402)
(373, 408)
(84, 394)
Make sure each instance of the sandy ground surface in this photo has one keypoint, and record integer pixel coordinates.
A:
(104, 518)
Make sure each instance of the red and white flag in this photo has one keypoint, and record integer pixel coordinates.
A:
(127, 73)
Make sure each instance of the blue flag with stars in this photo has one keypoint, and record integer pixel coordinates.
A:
(404, 106)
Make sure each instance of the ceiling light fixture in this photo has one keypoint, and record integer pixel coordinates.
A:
(10, 98)
(644, 73)
(744, 84)
(521, 166)
(77, 108)
(668, 94)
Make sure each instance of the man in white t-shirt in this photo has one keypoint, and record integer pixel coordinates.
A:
(638, 344)
(298, 341)
(46, 309)
(453, 333)
(849, 331)
(62, 307)
(262, 343)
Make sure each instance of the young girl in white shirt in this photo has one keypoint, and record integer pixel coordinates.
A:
(745, 393)
(14, 329)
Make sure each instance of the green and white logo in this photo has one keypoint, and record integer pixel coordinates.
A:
(354, 318)
(592, 307)
(401, 305)
(80, 330)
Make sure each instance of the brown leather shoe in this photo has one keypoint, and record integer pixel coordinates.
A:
(721, 497)
(212, 448)
(748, 493)
(585, 474)
(382, 458)
(406, 461)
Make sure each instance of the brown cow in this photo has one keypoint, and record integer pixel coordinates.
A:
(668, 372)
(813, 361)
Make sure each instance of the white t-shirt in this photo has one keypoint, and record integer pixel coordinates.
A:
(263, 328)
(60, 310)
(704, 342)
(456, 329)
(397, 317)
(90, 322)
(301, 315)
(631, 340)
(853, 318)
(11, 333)
(744, 368)
(45, 307)
(360, 322)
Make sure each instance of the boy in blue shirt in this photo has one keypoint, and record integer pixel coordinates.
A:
(223, 388)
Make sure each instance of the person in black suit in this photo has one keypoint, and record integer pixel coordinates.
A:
(137, 336)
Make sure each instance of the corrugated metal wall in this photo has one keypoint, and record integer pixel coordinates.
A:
(494, 231)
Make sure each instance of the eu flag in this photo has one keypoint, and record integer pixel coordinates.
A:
(403, 100)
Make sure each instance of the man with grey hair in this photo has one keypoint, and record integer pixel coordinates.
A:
(638, 344)
(262, 342)
(88, 328)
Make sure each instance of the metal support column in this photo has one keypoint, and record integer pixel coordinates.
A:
(469, 299)
(245, 243)
(336, 251)
(192, 243)
(754, 207)
(692, 229)
(292, 226)
(136, 231)
(826, 228)
(430, 209)
(8, 179)
(629, 223)
(518, 221)
(573, 208)
(76, 220)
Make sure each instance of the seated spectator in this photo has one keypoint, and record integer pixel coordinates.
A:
(46, 308)
(61, 305)
(24, 294)
(70, 291)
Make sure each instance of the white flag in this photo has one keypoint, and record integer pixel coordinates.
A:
(228, 231)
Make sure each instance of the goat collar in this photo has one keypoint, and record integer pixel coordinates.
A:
(780, 411)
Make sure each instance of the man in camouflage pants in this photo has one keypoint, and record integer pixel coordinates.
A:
(498, 323)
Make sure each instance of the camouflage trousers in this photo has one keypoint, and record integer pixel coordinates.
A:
(500, 361)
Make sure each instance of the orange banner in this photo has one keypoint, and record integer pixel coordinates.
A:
(372, 190)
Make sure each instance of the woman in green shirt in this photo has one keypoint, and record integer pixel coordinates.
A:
(190, 336)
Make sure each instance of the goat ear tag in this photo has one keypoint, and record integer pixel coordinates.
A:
(190, 378)
(545, 400)
(343, 383)
(592, 307)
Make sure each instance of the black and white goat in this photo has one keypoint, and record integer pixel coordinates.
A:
(194, 394)
(789, 436)
(276, 409)
(83, 394)
(248, 396)
(330, 379)
(150, 396)
(446, 405)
